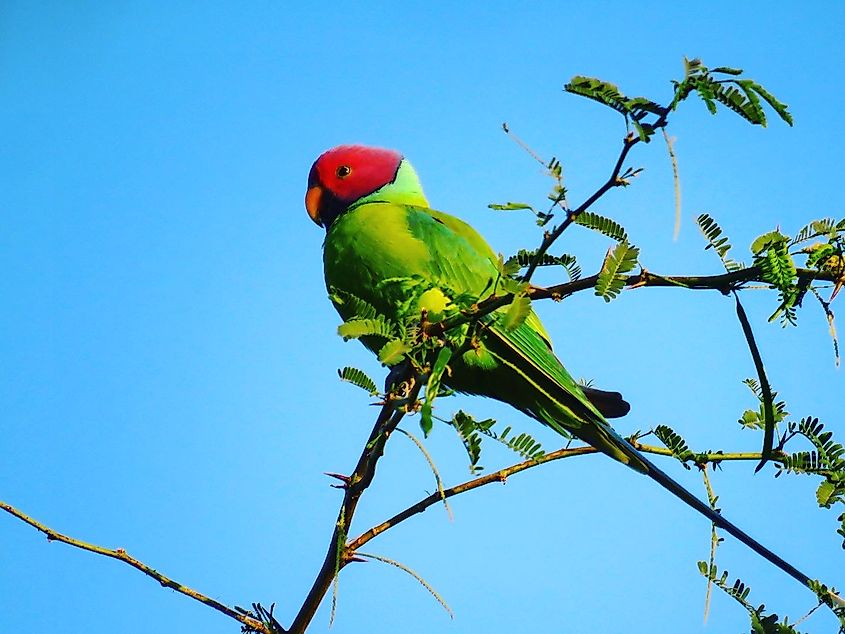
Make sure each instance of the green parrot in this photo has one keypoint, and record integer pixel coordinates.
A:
(388, 250)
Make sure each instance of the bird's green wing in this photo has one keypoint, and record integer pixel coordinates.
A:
(527, 373)
(481, 247)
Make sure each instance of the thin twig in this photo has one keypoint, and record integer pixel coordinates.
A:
(714, 539)
(676, 181)
(523, 145)
(122, 555)
(438, 480)
(503, 474)
(612, 181)
(425, 584)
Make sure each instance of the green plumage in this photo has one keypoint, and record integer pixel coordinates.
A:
(389, 259)
(389, 253)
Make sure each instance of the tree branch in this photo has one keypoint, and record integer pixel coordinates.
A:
(503, 474)
(631, 139)
(338, 553)
(122, 555)
(724, 283)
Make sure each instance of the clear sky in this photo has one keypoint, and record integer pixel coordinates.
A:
(168, 376)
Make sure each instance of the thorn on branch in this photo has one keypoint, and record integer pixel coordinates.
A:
(356, 559)
(641, 279)
(338, 476)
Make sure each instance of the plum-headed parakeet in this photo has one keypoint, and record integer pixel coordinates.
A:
(387, 250)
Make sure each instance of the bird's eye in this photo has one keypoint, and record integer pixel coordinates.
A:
(343, 171)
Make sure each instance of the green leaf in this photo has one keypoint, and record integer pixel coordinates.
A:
(779, 107)
(771, 254)
(641, 104)
(761, 623)
(432, 388)
(361, 309)
(598, 90)
(356, 328)
(393, 352)
(608, 227)
(509, 267)
(735, 100)
(513, 286)
(470, 432)
(569, 263)
(677, 445)
(743, 96)
(767, 240)
(716, 241)
(825, 227)
(769, 624)
(727, 70)
(608, 94)
(830, 493)
(523, 444)
(510, 207)
(516, 313)
(737, 590)
(524, 258)
(618, 261)
(643, 131)
(827, 460)
(359, 378)
(751, 420)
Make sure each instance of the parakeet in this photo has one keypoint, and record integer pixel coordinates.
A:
(388, 253)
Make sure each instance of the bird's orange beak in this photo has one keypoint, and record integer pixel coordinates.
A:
(313, 200)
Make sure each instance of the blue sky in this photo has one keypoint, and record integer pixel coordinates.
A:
(168, 382)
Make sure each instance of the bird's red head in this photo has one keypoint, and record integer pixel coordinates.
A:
(345, 174)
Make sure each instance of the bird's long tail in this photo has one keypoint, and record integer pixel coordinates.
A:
(639, 462)
(570, 412)
(603, 437)
(664, 480)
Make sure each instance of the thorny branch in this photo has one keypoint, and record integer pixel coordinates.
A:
(122, 555)
(401, 397)
(339, 554)
(503, 474)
